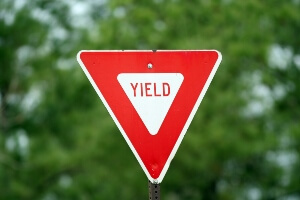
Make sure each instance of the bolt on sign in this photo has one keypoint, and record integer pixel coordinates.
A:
(152, 97)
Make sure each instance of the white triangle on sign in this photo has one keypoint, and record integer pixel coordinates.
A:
(151, 94)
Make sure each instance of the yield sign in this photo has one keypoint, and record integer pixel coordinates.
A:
(152, 96)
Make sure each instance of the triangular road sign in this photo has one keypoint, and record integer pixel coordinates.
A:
(152, 96)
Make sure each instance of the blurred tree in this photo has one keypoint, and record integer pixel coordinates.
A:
(56, 137)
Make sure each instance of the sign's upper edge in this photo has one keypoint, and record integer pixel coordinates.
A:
(154, 50)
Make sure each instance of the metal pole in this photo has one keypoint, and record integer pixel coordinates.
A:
(154, 191)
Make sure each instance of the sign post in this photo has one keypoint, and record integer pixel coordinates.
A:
(152, 97)
(154, 191)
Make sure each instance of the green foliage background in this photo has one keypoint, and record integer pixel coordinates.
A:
(57, 141)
